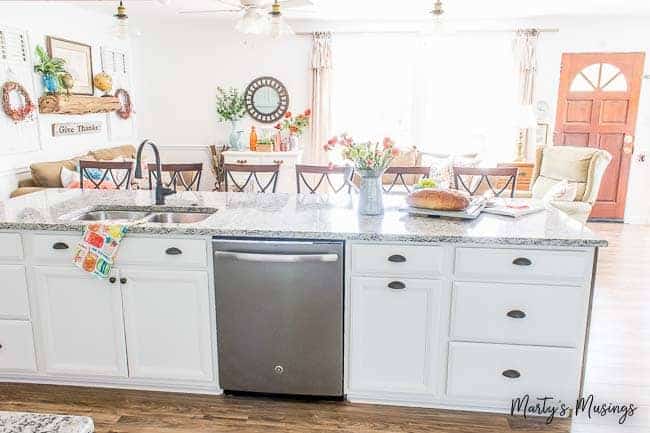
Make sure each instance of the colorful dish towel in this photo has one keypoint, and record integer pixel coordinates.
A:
(97, 250)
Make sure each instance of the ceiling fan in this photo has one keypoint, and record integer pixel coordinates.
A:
(258, 16)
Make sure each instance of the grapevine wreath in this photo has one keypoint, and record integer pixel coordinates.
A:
(17, 113)
(125, 101)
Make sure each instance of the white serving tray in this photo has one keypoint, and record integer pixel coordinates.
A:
(474, 209)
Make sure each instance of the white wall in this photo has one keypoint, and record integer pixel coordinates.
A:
(41, 19)
(181, 65)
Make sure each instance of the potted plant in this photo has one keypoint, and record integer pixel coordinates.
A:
(291, 127)
(51, 68)
(231, 108)
(370, 160)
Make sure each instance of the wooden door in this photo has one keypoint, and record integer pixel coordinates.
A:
(598, 102)
(167, 319)
(80, 321)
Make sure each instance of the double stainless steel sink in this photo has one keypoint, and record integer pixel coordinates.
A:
(121, 216)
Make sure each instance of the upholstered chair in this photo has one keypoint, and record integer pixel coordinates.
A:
(583, 167)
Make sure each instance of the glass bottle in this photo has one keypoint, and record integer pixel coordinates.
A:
(253, 139)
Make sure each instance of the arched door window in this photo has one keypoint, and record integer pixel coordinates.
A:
(603, 77)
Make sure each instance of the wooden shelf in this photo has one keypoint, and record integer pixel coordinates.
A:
(77, 104)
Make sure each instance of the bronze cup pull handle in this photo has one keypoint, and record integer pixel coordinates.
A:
(397, 285)
(123, 280)
(277, 161)
(173, 251)
(112, 280)
(511, 374)
(522, 261)
(60, 246)
(397, 258)
(516, 314)
(242, 161)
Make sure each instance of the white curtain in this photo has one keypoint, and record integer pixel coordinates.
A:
(321, 98)
(448, 95)
(525, 53)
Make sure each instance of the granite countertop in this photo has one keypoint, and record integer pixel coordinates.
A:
(20, 422)
(294, 216)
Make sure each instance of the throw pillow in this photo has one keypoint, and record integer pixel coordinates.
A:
(561, 191)
(68, 177)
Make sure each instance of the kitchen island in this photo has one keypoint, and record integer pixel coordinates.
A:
(485, 310)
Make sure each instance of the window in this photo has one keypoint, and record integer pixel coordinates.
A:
(454, 94)
(599, 76)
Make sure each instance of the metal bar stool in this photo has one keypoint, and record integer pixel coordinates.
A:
(325, 171)
(253, 171)
(510, 173)
(187, 176)
(399, 172)
(110, 171)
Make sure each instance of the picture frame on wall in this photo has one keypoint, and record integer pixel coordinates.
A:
(542, 132)
(78, 63)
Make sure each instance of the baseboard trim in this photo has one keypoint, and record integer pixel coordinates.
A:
(211, 389)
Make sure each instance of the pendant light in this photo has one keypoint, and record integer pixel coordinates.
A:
(439, 24)
(121, 29)
(252, 22)
(278, 25)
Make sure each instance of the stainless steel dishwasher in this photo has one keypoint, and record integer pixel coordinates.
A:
(280, 316)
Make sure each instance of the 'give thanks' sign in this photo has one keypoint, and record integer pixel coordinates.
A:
(76, 128)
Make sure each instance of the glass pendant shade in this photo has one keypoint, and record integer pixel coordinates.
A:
(279, 27)
(120, 29)
(252, 22)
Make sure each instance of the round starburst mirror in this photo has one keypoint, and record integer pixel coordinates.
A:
(266, 99)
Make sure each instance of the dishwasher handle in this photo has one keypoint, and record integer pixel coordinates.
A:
(277, 258)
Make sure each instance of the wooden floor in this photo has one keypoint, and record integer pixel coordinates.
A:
(618, 370)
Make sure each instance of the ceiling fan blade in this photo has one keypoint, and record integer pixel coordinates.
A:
(207, 11)
(230, 4)
(288, 4)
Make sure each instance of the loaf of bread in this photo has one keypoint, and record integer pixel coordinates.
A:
(438, 199)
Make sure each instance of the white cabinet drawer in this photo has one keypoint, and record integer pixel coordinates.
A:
(242, 159)
(57, 248)
(162, 252)
(517, 313)
(506, 265)
(413, 261)
(12, 246)
(16, 346)
(14, 302)
(53, 248)
(500, 372)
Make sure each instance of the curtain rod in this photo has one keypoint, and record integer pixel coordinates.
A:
(415, 32)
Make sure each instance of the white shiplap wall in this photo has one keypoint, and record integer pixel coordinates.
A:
(37, 20)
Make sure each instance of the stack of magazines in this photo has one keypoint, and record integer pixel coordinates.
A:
(513, 208)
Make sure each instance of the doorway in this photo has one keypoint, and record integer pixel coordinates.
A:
(598, 101)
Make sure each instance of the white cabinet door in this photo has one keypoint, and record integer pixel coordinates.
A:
(14, 302)
(394, 335)
(80, 323)
(167, 317)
